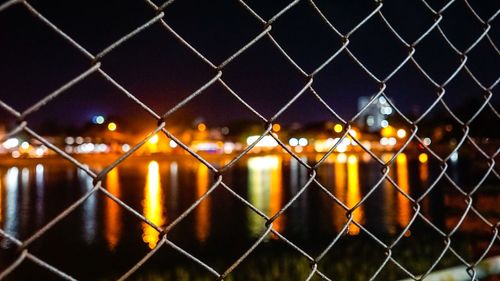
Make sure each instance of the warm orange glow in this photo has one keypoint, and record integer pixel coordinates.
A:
(337, 128)
(339, 218)
(276, 127)
(424, 173)
(354, 133)
(388, 131)
(275, 200)
(153, 144)
(353, 193)
(153, 204)
(112, 210)
(389, 207)
(423, 158)
(202, 127)
(203, 209)
(404, 184)
(256, 191)
(112, 126)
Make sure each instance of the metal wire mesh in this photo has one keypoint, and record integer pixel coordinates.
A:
(307, 89)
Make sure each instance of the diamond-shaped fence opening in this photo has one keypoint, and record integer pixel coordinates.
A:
(258, 141)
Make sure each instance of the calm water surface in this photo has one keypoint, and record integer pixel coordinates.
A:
(101, 240)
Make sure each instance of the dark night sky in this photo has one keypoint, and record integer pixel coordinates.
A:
(160, 71)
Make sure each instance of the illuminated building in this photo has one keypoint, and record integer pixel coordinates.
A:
(374, 117)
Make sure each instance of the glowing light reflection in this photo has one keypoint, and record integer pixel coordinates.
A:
(113, 218)
(40, 187)
(11, 186)
(354, 192)
(403, 182)
(339, 218)
(203, 209)
(265, 191)
(153, 204)
(89, 207)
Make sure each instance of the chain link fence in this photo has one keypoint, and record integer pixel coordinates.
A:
(218, 69)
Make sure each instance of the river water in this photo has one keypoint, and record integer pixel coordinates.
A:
(100, 240)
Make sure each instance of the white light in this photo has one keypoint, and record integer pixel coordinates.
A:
(427, 141)
(341, 148)
(324, 145)
(382, 100)
(39, 153)
(11, 143)
(401, 133)
(79, 140)
(303, 142)
(266, 141)
(16, 154)
(172, 144)
(99, 119)
(69, 140)
(384, 141)
(454, 157)
(101, 147)
(384, 123)
(25, 145)
(370, 121)
(86, 148)
(205, 146)
(352, 159)
(341, 158)
(125, 147)
(68, 149)
(392, 141)
(353, 133)
(386, 110)
(263, 163)
(293, 142)
(228, 147)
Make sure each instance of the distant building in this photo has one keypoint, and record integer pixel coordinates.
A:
(374, 117)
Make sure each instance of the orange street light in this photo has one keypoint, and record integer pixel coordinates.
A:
(202, 127)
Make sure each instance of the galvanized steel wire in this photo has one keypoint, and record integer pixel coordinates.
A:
(218, 69)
